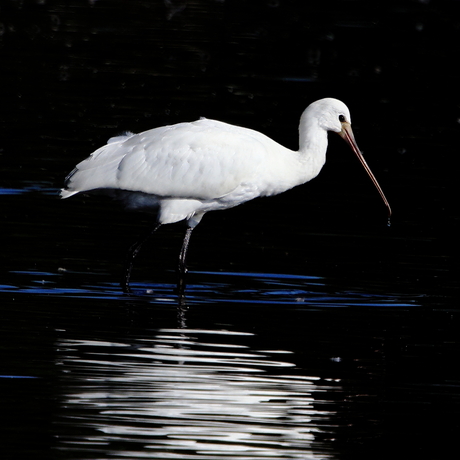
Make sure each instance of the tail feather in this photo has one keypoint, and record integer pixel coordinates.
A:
(98, 170)
(67, 193)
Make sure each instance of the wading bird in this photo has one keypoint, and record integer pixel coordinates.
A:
(182, 171)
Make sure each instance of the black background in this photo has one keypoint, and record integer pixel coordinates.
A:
(76, 73)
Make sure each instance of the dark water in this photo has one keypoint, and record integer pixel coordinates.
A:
(310, 330)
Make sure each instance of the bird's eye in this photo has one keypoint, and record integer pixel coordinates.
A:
(341, 118)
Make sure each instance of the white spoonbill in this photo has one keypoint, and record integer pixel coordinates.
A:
(182, 171)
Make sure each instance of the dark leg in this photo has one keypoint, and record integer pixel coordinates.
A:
(130, 256)
(182, 268)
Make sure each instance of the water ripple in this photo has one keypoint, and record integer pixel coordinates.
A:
(190, 395)
(210, 287)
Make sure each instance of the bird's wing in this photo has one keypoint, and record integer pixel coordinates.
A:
(205, 159)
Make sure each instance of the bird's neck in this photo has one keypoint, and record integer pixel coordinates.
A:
(312, 145)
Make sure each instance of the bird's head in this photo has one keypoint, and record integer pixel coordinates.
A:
(333, 115)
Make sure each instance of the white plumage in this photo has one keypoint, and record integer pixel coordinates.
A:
(183, 171)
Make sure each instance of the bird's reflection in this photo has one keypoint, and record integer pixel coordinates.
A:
(188, 394)
(181, 311)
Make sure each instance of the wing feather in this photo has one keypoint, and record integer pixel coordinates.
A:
(205, 159)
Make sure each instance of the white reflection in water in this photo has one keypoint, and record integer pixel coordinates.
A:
(180, 395)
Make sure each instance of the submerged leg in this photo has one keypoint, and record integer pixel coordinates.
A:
(182, 268)
(130, 256)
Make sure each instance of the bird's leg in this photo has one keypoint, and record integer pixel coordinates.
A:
(182, 268)
(130, 256)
